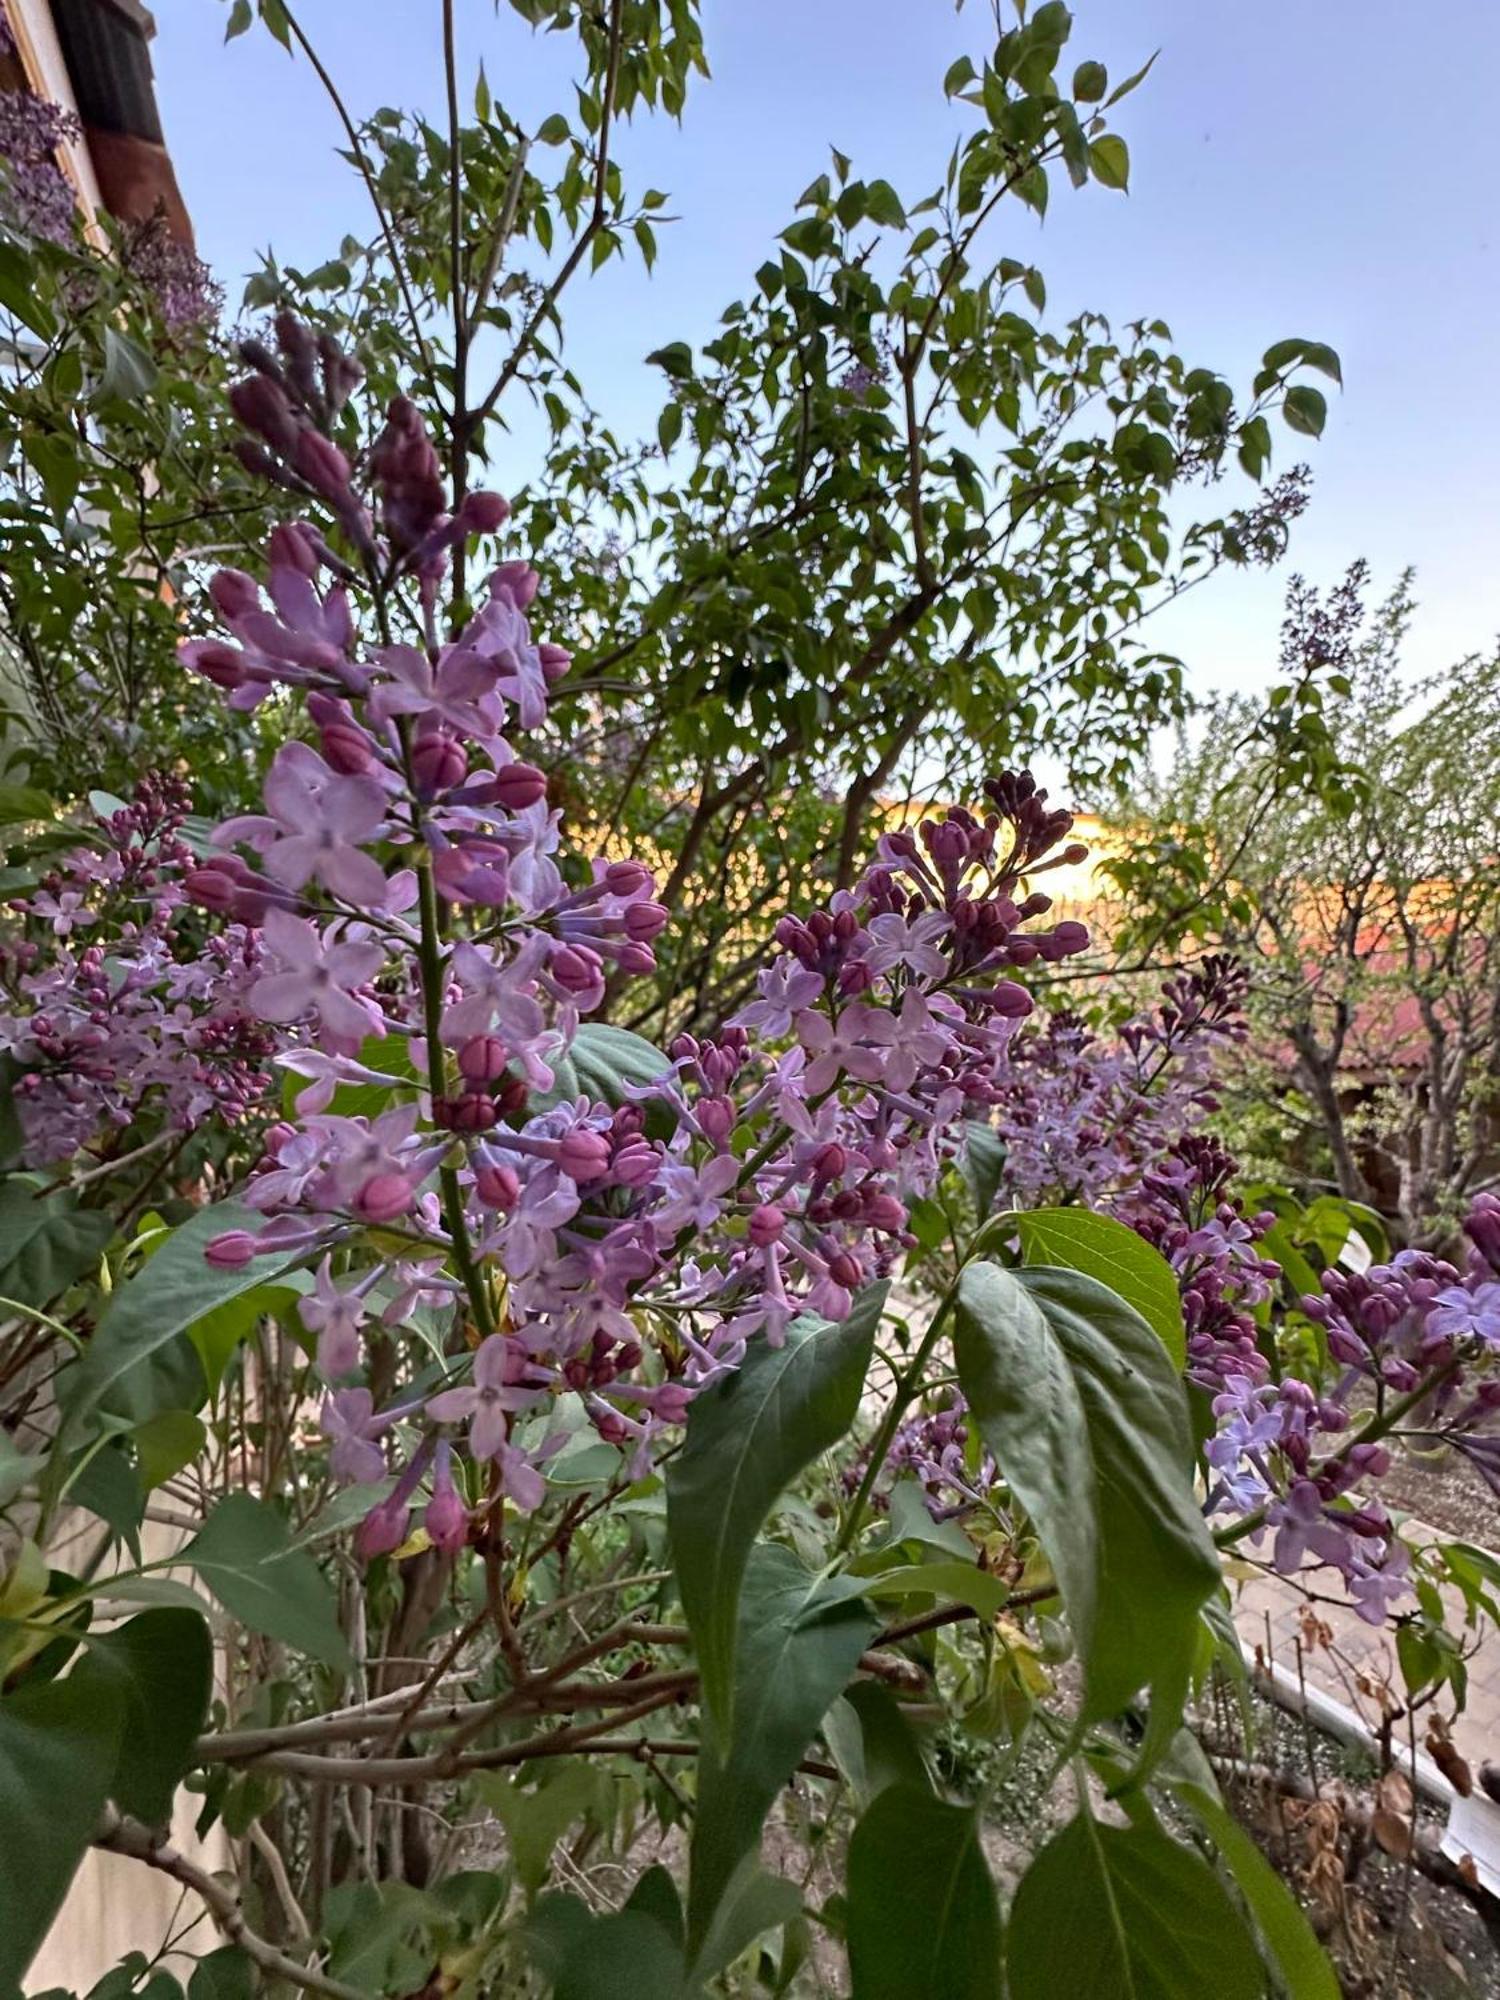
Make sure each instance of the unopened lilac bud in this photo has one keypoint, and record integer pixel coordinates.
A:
(883, 1211)
(447, 1521)
(635, 959)
(516, 580)
(475, 1111)
(1008, 1000)
(498, 1187)
(235, 595)
(348, 748)
(576, 968)
(644, 921)
(481, 513)
(844, 1269)
(583, 1155)
(384, 1197)
(482, 1058)
(766, 1224)
(262, 407)
(438, 762)
(555, 661)
(628, 878)
(231, 1251)
(830, 1162)
(716, 1116)
(322, 465)
(514, 787)
(383, 1529)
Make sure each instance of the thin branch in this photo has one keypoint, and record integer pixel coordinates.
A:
(128, 1837)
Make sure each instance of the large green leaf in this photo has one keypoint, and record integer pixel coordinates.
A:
(46, 1240)
(747, 1437)
(1127, 1911)
(872, 1742)
(1102, 1248)
(245, 1556)
(603, 1064)
(799, 1643)
(131, 1369)
(58, 1745)
(1083, 1410)
(536, 1816)
(629, 1955)
(159, 1666)
(1301, 1963)
(922, 1912)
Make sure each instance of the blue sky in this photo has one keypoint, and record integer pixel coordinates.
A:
(1312, 167)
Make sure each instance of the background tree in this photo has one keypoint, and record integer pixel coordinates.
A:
(1364, 892)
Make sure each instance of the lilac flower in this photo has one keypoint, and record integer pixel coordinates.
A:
(336, 1317)
(908, 941)
(1460, 1314)
(504, 1382)
(316, 821)
(311, 976)
(349, 1422)
(853, 1044)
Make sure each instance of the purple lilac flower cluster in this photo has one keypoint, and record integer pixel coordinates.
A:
(37, 196)
(111, 1010)
(423, 931)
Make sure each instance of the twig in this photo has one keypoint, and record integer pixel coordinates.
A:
(124, 1836)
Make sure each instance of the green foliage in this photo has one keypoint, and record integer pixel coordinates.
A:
(1081, 1406)
(159, 1668)
(747, 1437)
(1102, 1248)
(922, 1911)
(247, 1559)
(46, 1240)
(141, 1360)
(59, 1744)
(800, 1641)
(1109, 1909)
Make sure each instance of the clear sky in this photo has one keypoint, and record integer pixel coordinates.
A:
(1323, 168)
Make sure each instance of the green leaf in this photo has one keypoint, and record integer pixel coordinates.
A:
(553, 130)
(18, 1469)
(1300, 1961)
(105, 1483)
(127, 1369)
(58, 1746)
(960, 74)
(1102, 1248)
(1130, 83)
(675, 359)
(962, 1582)
(164, 1444)
(922, 1913)
(1110, 159)
(983, 1164)
(46, 1241)
(625, 1956)
(800, 1639)
(159, 1667)
(1083, 1410)
(129, 371)
(1090, 81)
(747, 1438)
(24, 805)
(1305, 410)
(536, 1816)
(883, 205)
(872, 1742)
(226, 1974)
(754, 1904)
(602, 1064)
(244, 1555)
(669, 426)
(1125, 1910)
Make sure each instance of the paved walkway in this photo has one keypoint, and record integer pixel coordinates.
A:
(1356, 1663)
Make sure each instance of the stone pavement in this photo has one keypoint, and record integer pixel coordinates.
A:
(1352, 1662)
